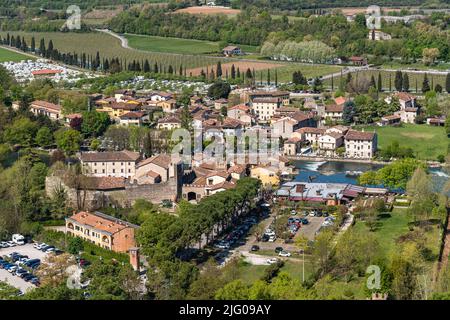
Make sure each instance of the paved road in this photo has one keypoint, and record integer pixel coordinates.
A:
(15, 281)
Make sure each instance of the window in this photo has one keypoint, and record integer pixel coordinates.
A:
(114, 170)
(103, 171)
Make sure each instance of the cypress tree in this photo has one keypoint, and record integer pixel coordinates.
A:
(405, 82)
(380, 83)
(425, 84)
(398, 82)
(146, 66)
(447, 82)
(219, 69)
(233, 72)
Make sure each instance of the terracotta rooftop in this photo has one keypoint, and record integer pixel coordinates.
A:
(405, 96)
(169, 119)
(241, 107)
(340, 100)
(46, 105)
(45, 71)
(132, 115)
(334, 108)
(124, 106)
(161, 160)
(109, 156)
(101, 221)
(359, 135)
(311, 130)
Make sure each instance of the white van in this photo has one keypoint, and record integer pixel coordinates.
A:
(18, 239)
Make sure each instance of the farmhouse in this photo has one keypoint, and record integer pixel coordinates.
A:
(358, 61)
(390, 120)
(51, 110)
(119, 164)
(102, 230)
(231, 51)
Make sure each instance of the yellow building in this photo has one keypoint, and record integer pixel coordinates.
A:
(267, 174)
(115, 110)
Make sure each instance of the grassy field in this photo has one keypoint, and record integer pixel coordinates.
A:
(250, 273)
(171, 45)
(8, 55)
(308, 70)
(395, 225)
(415, 79)
(427, 141)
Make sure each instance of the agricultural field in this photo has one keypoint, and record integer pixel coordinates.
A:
(110, 47)
(415, 79)
(171, 45)
(427, 141)
(8, 55)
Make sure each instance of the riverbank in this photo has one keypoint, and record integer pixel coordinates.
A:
(322, 159)
(431, 164)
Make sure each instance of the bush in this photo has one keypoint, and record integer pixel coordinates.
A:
(75, 245)
(272, 271)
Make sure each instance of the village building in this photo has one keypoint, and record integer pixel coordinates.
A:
(267, 174)
(135, 118)
(390, 120)
(284, 127)
(377, 35)
(118, 164)
(292, 146)
(360, 145)
(117, 109)
(45, 73)
(51, 110)
(242, 113)
(169, 123)
(435, 121)
(334, 112)
(156, 169)
(168, 106)
(102, 230)
(329, 142)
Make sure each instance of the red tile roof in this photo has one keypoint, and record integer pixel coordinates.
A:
(359, 135)
(45, 71)
(110, 156)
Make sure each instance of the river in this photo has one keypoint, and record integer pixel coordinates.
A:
(346, 172)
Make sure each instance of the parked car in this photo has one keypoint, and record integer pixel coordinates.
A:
(305, 221)
(278, 249)
(284, 254)
(265, 238)
(272, 260)
(254, 248)
(272, 238)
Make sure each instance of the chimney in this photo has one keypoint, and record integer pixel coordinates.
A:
(134, 258)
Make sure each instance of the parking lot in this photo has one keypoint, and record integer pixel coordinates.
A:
(13, 280)
(309, 230)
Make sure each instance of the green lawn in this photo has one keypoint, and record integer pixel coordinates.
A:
(250, 273)
(427, 141)
(178, 45)
(395, 225)
(8, 55)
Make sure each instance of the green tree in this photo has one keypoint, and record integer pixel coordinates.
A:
(44, 137)
(75, 245)
(68, 140)
(235, 290)
(94, 123)
(219, 89)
